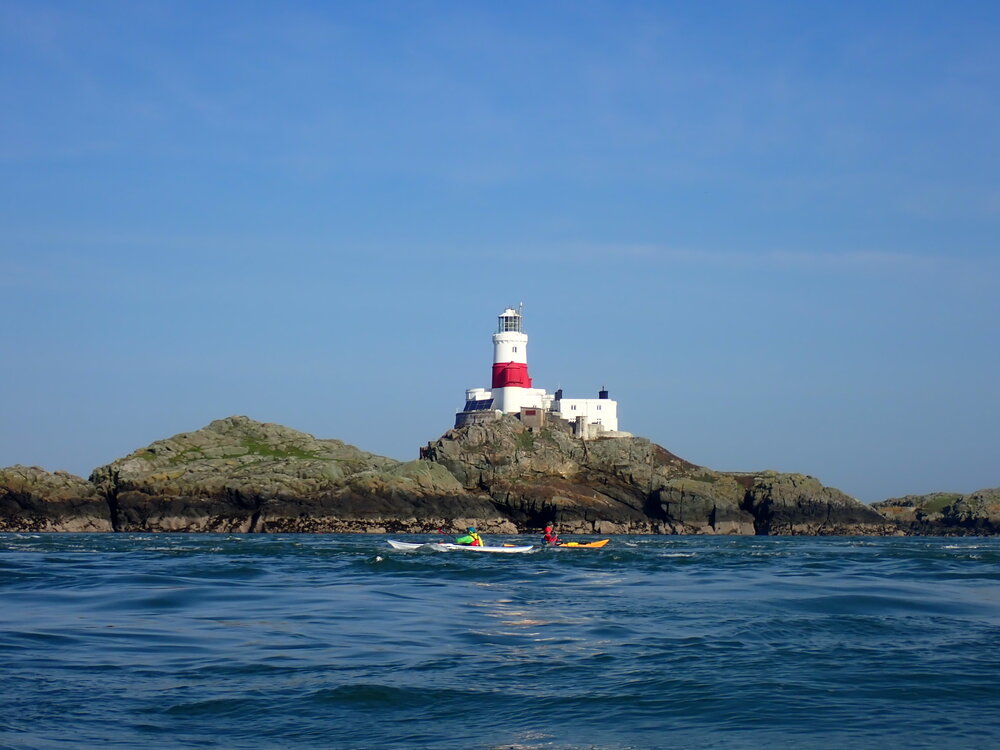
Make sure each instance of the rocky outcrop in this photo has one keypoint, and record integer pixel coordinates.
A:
(32, 499)
(239, 475)
(945, 513)
(630, 485)
(799, 504)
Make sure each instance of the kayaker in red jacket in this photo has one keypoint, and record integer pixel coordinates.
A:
(550, 536)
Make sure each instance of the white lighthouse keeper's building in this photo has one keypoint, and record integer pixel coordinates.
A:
(511, 388)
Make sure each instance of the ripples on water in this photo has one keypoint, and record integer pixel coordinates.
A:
(652, 642)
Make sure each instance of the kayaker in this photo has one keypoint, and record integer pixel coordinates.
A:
(471, 538)
(550, 536)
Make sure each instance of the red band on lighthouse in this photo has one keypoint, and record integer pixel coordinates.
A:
(511, 375)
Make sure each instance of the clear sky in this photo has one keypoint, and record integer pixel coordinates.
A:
(770, 228)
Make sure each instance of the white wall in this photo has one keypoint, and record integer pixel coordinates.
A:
(510, 400)
(600, 410)
(510, 347)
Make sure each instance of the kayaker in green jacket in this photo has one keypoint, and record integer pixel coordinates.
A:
(471, 538)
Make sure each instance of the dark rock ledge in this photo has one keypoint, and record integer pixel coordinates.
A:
(32, 499)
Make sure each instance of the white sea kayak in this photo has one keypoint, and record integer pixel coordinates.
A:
(447, 547)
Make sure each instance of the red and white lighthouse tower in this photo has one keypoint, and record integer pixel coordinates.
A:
(511, 382)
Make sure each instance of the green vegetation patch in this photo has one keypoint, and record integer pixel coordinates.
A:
(546, 434)
(938, 504)
(526, 441)
(258, 448)
(188, 454)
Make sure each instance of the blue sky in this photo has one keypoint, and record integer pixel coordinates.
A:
(771, 229)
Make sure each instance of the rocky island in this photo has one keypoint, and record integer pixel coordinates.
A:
(240, 475)
(945, 513)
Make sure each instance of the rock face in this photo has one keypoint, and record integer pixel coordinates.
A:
(239, 475)
(32, 499)
(799, 504)
(945, 514)
(630, 485)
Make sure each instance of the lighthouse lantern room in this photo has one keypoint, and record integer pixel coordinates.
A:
(511, 390)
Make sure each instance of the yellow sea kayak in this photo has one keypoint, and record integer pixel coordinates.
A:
(578, 545)
(591, 545)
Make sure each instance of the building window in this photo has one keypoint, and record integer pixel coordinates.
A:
(598, 407)
(573, 407)
(514, 349)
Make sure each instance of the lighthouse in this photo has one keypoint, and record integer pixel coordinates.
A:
(512, 392)
(511, 382)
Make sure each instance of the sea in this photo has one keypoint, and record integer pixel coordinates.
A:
(339, 641)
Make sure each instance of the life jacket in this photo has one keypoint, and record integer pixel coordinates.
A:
(550, 537)
(477, 541)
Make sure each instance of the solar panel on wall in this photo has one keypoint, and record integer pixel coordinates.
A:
(481, 405)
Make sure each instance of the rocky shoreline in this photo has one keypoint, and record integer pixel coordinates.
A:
(237, 475)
